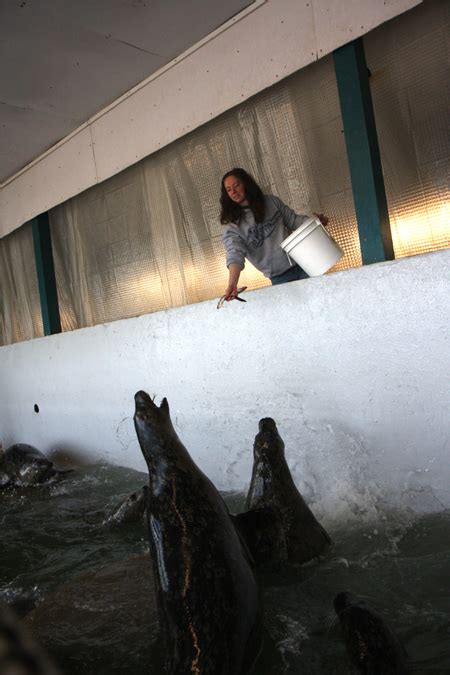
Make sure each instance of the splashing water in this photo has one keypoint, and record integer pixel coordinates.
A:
(57, 553)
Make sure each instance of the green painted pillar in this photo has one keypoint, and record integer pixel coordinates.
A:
(46, 274)
(363, 153)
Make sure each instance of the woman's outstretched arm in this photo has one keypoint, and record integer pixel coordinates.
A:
(234, 271)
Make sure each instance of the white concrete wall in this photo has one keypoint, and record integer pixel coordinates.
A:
(352, 366)
(260, 46)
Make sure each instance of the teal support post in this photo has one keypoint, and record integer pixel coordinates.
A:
(363, 153)
(46, 274)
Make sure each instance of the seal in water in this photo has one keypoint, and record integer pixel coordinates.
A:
(23, 465)
(208, 601)
(272, 486)
(371, 645)
(130, 510)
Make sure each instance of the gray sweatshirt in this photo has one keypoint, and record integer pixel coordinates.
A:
(260, 242)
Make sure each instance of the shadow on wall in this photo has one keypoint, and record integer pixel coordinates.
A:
(68, 457)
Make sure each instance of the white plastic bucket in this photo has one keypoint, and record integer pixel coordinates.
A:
(312, 248)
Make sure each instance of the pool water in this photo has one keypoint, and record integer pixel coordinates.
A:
(89, 588)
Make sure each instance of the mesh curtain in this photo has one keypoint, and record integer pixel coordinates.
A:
(149, 238)
(20, 310)
(408, 60)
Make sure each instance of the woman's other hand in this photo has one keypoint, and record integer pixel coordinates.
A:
(322, 217)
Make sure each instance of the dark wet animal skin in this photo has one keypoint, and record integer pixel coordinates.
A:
(130, 510)
(371, 645)
(263, 533)
(272, 486)
(208, 601)
(19, 655)
(23, 465)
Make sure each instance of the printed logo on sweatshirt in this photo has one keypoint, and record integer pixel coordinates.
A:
(259, 232)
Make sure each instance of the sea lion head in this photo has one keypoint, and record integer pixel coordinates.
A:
(130, 510)
(153, 425)
(343, 601)
(370, 643)
(26, 465)
(268, 442)
(35, 471)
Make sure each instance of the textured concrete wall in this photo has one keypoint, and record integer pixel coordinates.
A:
(351, 366)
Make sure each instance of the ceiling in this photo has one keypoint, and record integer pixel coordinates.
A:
(61, 61)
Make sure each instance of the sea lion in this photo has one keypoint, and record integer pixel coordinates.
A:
(207, 596)
(371, 645)
(19, 655)
(129, 510)
(263, 533)
(272, 486)
(23, 465)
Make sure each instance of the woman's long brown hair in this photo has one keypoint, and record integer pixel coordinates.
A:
(231, 212)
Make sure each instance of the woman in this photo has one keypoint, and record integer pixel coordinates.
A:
(256, 224)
